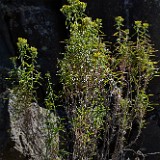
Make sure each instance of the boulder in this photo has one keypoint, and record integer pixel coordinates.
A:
(25, 135)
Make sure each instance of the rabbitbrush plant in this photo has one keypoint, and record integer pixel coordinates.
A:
(104, 91)
(135, 70)
(52, 123)
(83, 71)
(23, 95)
(27, 77)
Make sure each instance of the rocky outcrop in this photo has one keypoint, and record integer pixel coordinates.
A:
(26, 134)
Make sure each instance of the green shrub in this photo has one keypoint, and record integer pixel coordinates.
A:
(104, 92)
(83, 72)
(27, 77)
(52, 123)
(135, 70)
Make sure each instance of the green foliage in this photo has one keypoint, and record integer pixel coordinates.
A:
(104, 93)
(74, 11)
(52, 123)
(83, 71)
(134, 69)
(24, 93)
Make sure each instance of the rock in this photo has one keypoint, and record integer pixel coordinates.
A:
(26, 135)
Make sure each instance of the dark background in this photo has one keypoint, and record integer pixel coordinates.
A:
(42, 23)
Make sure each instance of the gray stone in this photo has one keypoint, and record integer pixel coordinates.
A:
(26, 134)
